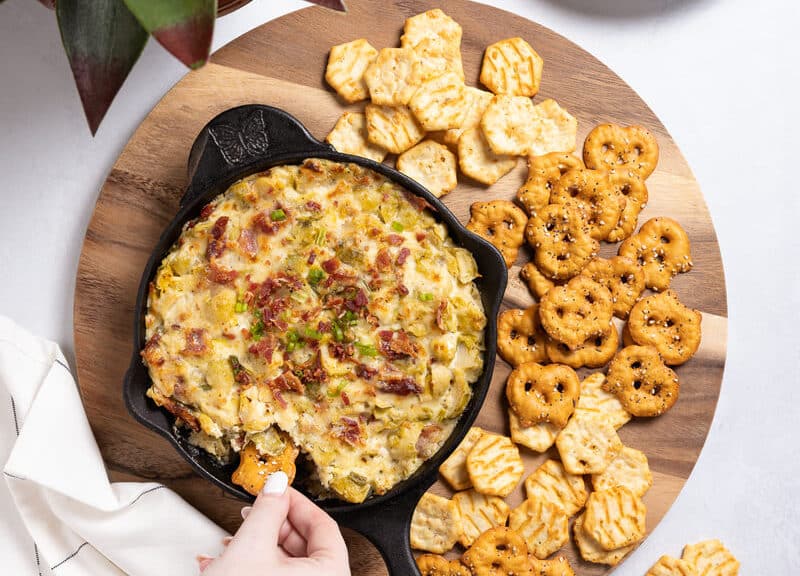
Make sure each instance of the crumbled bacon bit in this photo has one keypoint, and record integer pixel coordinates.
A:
(395, 239)
(340, 351)
(417, 201)
(330, 266)
(401, 289)
(313, 206)
(314, 166)
(195, 342)
(323, 326)
(279, 397)
(229, 336)
(264, 223)
(345, 398)
(206, 211)
(397, 345)
(216, 246)
(401, 258)
(264, 347)
(220, 275)
(312, 256)
(365, 372)
(421, 236)
(180, 411)
(312, 371)
(383, 260)
(348, 430)
(248, 243)
(287, 381)
(399, 384)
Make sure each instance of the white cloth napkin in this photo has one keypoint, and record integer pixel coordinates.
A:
(80, 523)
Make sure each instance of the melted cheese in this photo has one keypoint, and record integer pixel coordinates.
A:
(319, 300)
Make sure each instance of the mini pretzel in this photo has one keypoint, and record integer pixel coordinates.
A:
(498, 552)
(662, 248)
(644, 385)
(623, 277)
(539, 393)
(436, 565)
(253, 469)
(634, 192)
(663, 322)
(559, 234)
(537, 282)
(595, 352)
(500, 222)
(616, 149)
(520, 337)
(592, 192)
(574, 312)
(543, 173)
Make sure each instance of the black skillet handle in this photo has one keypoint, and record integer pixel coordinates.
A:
(387, 526)
(244, 138)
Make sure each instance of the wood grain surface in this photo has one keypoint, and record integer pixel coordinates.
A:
(282, 64)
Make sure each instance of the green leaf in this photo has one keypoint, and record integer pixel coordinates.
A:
(332, 4)
(183, 27)
(102, 40)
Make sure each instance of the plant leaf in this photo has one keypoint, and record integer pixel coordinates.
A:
(102, 40)
(183, 27)
(332, 4)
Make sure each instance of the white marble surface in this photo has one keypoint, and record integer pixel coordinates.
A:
(721, 74)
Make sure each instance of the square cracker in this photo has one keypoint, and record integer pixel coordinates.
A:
(711, 558)
(544, 525)
(494, 465)
(550, 482)
(508, 124)
(597, 402)
(350, 136)
(393, 77)
(431, 24)
(454, 469)
(432, 165)
(346, 65)
(477, 160)
(538, 437)
(392, 127)
(669, 566)
(587, 444)
(478, 101)
(479, 513)
(512, 66)
(435, 525)
(441, 102)
(629, 469)
(555, 129)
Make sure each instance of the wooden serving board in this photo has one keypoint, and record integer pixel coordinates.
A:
(282, 64)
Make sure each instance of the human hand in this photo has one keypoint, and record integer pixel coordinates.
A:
(285, 534)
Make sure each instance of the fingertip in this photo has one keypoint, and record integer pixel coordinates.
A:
(276, 484)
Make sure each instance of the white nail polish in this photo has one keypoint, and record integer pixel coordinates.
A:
(276, 483)
(246, 511)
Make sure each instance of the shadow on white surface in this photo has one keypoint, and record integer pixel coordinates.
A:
(626, 9)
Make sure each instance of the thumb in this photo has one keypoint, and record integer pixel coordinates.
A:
(263, 523)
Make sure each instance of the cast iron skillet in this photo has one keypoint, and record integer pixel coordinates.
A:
(240, 142)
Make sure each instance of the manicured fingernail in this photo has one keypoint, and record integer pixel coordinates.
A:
(246, 511)
(276, 483)
(204, 560)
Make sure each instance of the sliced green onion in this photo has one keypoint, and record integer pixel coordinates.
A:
(277, 215)
(257, 329)
(425, 296)
(240, 307)
(333, 392)
(313, 334)
(315, 275)
(290, 346)
(319, 239)
(396, 226)
(349, 318)
(366, 349)
(292, 336)
(338, 333)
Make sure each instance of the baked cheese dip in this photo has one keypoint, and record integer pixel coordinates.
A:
(316, 309)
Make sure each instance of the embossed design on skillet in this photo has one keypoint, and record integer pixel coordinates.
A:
(214, 164)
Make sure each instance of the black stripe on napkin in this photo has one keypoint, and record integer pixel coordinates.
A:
(70, 557)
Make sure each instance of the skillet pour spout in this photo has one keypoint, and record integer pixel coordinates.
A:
(253, 138)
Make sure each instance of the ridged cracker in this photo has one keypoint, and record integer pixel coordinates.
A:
(346, 66)
(477, 160)
(512, 66)
(350, 136)
(393, 77)
(479, 512)
(544, 525)
(552, 483)
(454, 469)
(597, 402)
(435, 525)
(591, 551)
(615, 517)
(508, 124)
(669, 566)
(538, 437)
(432, 165)
(554, 129)
(587, 444)
(392, 127)
(711, 558)
(494, 465)
(629, 469)
(478, 101)
(440, 103)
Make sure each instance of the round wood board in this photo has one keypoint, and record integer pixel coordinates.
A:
(282, 63)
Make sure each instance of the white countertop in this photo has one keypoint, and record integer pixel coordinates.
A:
(721, 74)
